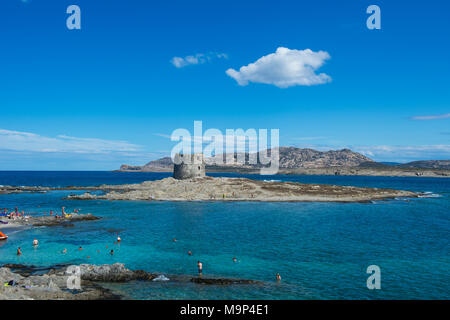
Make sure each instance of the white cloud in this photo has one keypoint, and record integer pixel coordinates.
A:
(432, 117)
(198, 58)
(284, 68)
(30, 142)
(406, 153)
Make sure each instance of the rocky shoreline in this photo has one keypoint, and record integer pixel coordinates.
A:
(48, 221)
(20, 282)
(239, 189)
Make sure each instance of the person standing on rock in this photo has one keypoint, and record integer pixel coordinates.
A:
(200, 268)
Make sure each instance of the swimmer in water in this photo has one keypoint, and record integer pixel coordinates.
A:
(234, 259)
(190, 253)
(278, 277)
(18, 251)
(64, 251)
(200, 268)
(112, 252)
(80, 248)
(118, 239)
(174, 240)
(35, 243)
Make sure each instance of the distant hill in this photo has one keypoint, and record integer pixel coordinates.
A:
(163, 164)
(428, 164)
(290, 158)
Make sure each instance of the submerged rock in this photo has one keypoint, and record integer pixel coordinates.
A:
(223, 281)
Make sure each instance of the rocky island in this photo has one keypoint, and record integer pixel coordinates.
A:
(239, 189)
(190, 183)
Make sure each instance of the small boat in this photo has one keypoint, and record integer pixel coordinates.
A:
(3, 236)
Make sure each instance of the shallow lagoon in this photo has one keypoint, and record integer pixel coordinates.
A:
(321, 250)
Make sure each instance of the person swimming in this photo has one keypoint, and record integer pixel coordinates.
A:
(190, 253)
(35, 243)
(200, 268)
(234, 259)
(19, 252)
(64, 251)
(112, 252)
(278, 277)
(118, 239)
(80, 248)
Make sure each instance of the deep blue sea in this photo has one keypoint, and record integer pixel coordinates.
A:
(321, 250)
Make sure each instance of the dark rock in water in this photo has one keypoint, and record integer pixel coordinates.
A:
(113, 230)
(52, 221)
(112, 273)
(223, 281)
(143, 275)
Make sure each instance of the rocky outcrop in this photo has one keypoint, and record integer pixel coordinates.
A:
(21, 282)
(48, 286)
(39, 221)
(241, 189)
(112, 273)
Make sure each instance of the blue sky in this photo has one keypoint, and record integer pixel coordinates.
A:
(111, 92)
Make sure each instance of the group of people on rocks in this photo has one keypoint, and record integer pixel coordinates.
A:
(64, 214)
(16, 213)
(13, 214)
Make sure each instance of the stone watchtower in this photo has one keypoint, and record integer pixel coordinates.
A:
(188, 166)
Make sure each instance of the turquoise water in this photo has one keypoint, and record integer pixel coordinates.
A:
(321, 250)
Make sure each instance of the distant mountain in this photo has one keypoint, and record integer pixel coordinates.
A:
(290, 158)
(428, 164)
(163, 164)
